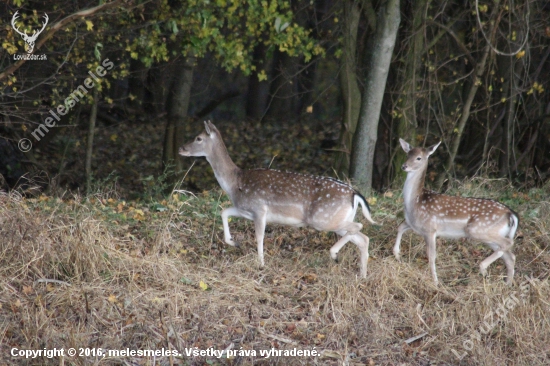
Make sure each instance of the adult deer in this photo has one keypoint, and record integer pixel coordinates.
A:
(271, 196)
(431, 214)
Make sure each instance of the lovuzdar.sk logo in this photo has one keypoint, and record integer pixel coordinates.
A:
(29, 40)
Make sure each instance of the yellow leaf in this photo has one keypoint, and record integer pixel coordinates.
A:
(309, 109)
(262, 76)
(520, 54)
(89, 25)
(112, 299)
(24, 128)
(114, 137)
(203, 286)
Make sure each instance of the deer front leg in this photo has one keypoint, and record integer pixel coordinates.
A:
(431, 250)
(259, 225)
(231, 211)
(404, 227)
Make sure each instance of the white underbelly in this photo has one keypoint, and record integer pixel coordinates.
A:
(452, 229)
(275, 218)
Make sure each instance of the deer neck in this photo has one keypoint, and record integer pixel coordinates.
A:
(414, 186)
(225, 170)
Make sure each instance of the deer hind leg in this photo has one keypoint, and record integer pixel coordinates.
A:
(510, 261)
(502, 248)
(259, 226)
(231, 211)
(339, 245)
(362, 242)
(347, 230)
(431, 251)
(489, 260)
(404, 227)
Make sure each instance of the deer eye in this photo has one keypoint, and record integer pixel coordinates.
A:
(419, 158)
(198, 139)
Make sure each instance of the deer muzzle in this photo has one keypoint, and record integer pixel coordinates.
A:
(183, 151)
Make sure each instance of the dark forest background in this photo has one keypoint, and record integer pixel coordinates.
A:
(288, 83)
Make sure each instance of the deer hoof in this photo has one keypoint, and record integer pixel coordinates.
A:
(483, 271)
(232, 242)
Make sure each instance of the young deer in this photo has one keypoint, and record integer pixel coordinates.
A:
(431, 214)
(270, 196)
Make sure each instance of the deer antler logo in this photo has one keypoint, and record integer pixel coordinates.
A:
(29, 40)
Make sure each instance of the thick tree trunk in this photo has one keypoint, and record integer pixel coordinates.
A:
(177, 107)
(351, 94)
(364, 140)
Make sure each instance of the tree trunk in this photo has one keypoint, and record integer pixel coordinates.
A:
(283, 94)
(90, 142)
(465, 114)
(351, 94)
(258, 91)
(378, 66)
(177, 107)
(407, 122)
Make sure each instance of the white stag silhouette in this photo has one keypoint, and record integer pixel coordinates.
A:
(29, 40)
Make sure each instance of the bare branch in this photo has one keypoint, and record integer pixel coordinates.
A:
(57, 26)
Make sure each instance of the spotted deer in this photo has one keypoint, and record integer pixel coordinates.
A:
(271, 196)
(432, 214)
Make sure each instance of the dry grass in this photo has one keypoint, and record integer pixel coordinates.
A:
(75, 273)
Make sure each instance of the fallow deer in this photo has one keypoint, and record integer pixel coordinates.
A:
(432, 214)
(271, 196)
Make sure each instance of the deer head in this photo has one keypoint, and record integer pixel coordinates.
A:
(29, 40)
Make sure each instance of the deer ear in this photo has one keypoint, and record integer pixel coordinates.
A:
(405, 145)
(431, 149)
(207, 127)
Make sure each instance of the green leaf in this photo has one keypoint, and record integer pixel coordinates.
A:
(97, 52)
(186, 281)
(277, 24)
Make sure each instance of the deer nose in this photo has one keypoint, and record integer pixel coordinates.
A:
(404, 166)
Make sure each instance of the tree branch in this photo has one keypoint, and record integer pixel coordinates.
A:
(57, 26)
